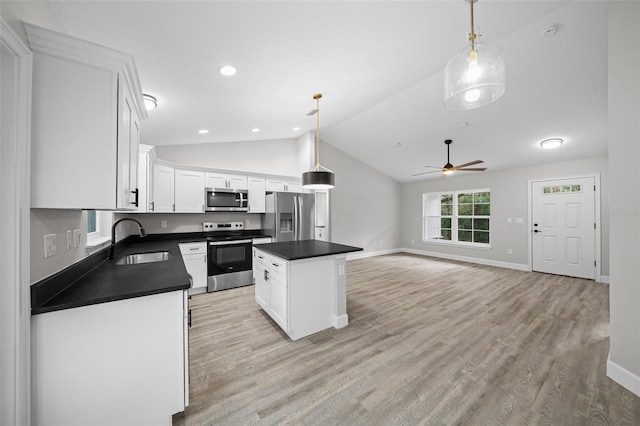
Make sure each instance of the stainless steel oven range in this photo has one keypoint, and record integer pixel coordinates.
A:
(229, 260)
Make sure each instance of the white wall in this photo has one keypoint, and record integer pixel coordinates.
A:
(509, 192)
(365, 204)
(624, 196)
(277, 157)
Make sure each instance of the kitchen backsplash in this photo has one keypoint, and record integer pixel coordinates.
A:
(159, 223)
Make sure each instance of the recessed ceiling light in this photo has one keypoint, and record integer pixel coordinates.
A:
(150, 102)
(228, 70)
(295, 129)
(203, 131)
(255, 130)
(551, 143)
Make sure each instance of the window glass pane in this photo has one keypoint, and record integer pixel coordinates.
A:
(481, 237)
(445, 222)
(482, 197)
(465, 198)
(446, 198)
(465, 236)
(576, 188)
(446, 210)
(446, 234)
(546, 190)
(481, 224)
(465, 223)
(566, 188)
(91, 221)
(481, 209)
(465, 209)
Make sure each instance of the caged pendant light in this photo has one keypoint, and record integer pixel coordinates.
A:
(476, 75)
(317, 177)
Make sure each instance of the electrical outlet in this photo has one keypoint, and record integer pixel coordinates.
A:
(509, 251)
(69, 240)
(77, 237)
(49, 245)
(163, 224)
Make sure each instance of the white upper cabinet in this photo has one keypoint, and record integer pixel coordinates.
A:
(162, 192)
(276, 185)
(86, 110)
(189, 191)
(257, 194)
(225, 181)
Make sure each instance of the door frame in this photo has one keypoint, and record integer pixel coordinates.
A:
(596, 217)
(15, 345)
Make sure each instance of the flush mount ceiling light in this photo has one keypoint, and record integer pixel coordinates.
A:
(318, 177)
(228, 70)
(150, 102)
(476, 75)
(255, 130)
(203, 131)
(551, 143)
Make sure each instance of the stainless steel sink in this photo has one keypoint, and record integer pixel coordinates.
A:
(136, 258)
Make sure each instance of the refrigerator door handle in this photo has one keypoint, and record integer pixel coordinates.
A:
(300, 217)
(296, 218)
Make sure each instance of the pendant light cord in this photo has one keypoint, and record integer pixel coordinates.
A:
(317, 97)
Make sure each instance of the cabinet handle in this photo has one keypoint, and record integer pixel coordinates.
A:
(275, 264)
(153, 206)
(266, 275)
(260, 257)
(137, 192)
(189, 318)
(173, 207)
(194, 248)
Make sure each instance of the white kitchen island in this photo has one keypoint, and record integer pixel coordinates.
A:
(302, 285)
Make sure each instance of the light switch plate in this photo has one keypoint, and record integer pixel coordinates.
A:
(77, 237)
(69, 240)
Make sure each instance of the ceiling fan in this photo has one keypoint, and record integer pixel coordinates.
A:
(450, 168)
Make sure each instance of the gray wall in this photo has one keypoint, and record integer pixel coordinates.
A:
(365, 204)
(509, 192)
(624, 157)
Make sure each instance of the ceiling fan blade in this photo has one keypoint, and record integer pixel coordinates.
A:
(470, 163)
(480, 169)
(312, 112)
(426, 173)
(435, 167)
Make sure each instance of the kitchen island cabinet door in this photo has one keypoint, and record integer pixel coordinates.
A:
(112, 363)
(261, 286)
(279, 299)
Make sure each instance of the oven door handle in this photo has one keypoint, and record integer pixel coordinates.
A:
(226, 243)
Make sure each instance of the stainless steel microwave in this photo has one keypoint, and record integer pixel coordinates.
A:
(226, 200)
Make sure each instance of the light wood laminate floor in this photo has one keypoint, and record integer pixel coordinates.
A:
(429, 341)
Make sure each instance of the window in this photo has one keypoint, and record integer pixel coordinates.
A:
(458, 217)
(98, 228)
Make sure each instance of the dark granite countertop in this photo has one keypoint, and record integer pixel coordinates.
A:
(98, 279)
(305, 249)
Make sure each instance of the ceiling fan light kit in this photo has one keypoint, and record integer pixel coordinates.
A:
(318, 177)
(551, 143)
(476, 75)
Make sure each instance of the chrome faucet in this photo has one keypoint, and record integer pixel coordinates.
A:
(143, 234)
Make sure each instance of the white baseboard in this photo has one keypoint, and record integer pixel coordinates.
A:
(507, 265)
(340, 321)
(604, 279)
(623, 376)
(365, 254)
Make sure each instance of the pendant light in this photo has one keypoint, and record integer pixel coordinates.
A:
(317, 177)
(475, 76)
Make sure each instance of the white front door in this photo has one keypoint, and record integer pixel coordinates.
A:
(563, 226)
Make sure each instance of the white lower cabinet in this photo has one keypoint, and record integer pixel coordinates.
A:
(302, 296)
(194, 256)
(123, 362)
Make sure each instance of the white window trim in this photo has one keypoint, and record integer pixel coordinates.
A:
(102, 237)
(454, 221)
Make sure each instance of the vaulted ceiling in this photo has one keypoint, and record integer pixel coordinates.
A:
(379, 65)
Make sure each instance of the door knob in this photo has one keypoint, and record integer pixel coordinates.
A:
(535, 230)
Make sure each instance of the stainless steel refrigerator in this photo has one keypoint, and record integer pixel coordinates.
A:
(290, 216)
